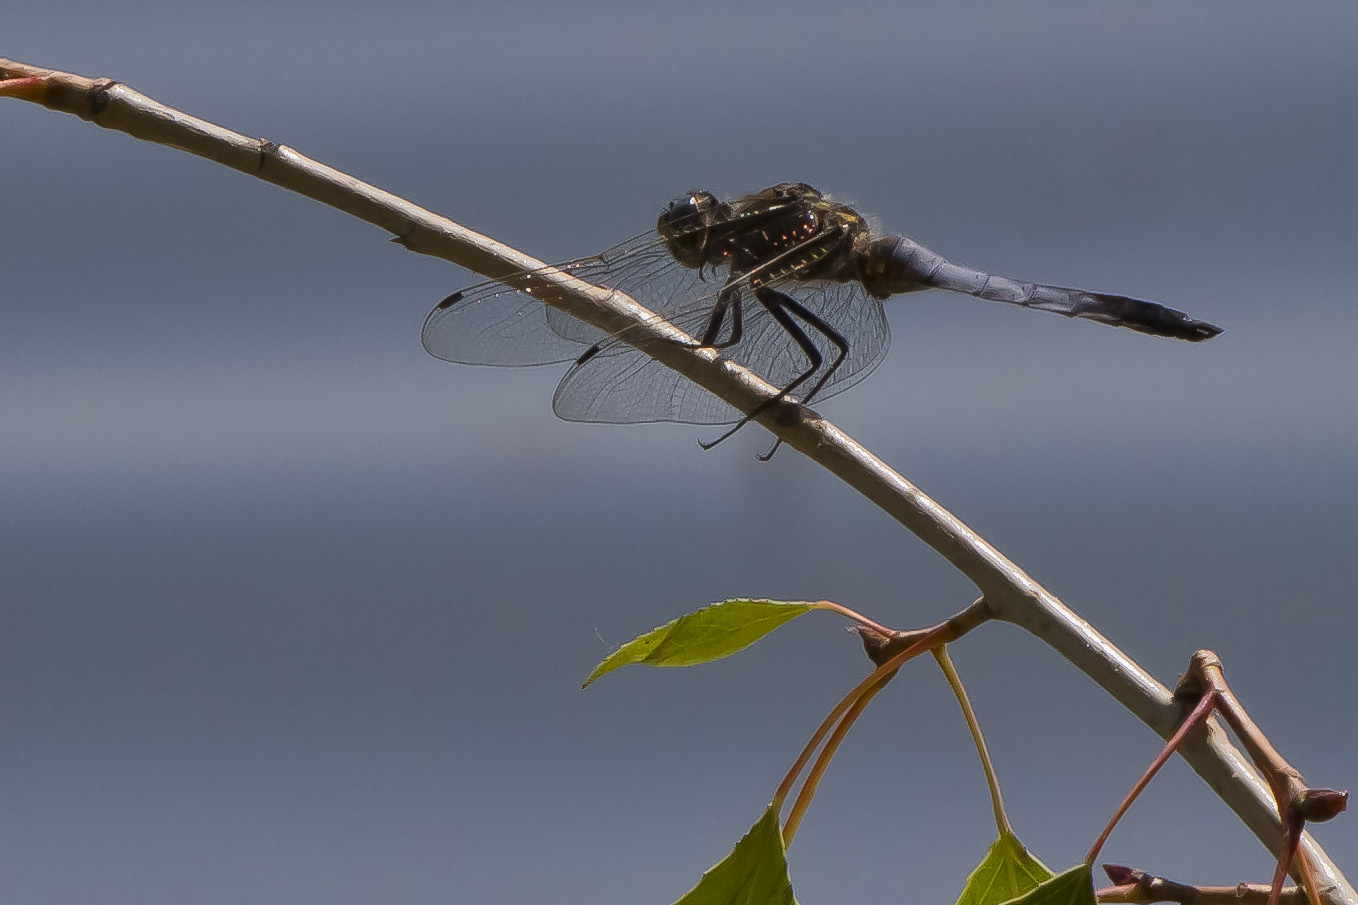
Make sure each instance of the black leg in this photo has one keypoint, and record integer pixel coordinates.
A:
(834, 336)
(782, 308)
(727, 300)
(840, 344)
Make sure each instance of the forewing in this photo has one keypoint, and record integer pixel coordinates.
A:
(644, 270)
(495, 326)
(512, 322)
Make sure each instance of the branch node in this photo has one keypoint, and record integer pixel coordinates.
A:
(99, 95)
(267, 150)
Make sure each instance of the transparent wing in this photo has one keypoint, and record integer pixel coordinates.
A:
(622, 385)
(511, 322)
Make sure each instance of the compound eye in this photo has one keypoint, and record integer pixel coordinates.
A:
(686, 227)
(693, 205)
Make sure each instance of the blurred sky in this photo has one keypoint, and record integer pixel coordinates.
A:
(294, 613)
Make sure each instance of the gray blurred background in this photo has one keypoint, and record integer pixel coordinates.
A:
(293, 613)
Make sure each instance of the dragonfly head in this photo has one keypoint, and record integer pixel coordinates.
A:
(686, 226)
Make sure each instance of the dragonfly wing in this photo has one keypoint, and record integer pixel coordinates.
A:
(499, 327)
(621, 385)
(512, 322)
(644, 270)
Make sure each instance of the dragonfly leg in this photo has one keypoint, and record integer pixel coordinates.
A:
(727, 300)
(787, 311)
(836, 339)
(841, 349)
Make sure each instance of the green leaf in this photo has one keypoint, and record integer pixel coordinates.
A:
(1007, 870)
(755, 873)
(711, 633)
(1073, 887)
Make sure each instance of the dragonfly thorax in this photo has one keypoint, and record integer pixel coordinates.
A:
(787, 231)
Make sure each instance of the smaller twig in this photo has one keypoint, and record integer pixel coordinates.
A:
(1203, 688)
(1296, 802)
(1205, 673)
(1140, 888)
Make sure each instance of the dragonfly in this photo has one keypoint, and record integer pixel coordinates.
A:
(786, 282)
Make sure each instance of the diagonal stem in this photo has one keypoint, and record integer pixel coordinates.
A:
(974, 727)
(1194, 719)
(813, 778)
